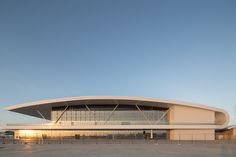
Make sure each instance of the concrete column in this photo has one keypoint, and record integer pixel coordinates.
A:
(16, 134)
(151, 134)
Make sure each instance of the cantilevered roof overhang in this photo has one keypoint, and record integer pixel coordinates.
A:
(45, 106)
(231, 126)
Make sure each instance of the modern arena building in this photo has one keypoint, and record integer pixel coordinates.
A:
(119, 117)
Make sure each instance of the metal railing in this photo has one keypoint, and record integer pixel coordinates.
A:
(119, 140)
(74, 123)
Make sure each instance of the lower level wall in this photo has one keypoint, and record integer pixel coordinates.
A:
(179, 134)
(228, 134)
(192, 134)
(104, 134)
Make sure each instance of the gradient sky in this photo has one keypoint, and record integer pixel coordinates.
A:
(181, 50)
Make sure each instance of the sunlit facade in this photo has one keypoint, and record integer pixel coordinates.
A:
(98, 115)
(118, 117)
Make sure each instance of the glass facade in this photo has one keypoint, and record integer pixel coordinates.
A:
(109, 115)
(88, 134)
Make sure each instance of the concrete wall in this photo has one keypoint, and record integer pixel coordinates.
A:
(190, 115)
(220, 118)
(234, 131)
(226, 134)
(192, 135)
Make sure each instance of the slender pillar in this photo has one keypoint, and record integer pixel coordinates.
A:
(151, 135)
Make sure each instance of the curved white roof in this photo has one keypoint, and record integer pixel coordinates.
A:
(231, 126)
(114, 98)
(44, 106)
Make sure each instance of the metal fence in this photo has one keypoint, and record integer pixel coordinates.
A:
(93, 140)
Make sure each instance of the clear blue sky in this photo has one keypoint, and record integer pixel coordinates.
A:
(182, 50)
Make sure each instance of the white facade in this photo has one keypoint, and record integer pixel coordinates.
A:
(184, 120)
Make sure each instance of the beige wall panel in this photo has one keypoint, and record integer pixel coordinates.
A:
(192, 135)
(191, 115)
(220, 118)
(234, 131)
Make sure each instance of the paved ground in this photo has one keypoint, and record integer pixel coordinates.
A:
(118, 150)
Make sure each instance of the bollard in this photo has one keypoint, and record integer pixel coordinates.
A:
(179, 140)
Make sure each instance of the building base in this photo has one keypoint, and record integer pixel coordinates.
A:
(192, 134)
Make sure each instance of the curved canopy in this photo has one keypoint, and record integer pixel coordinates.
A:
(232, 127)
(45, 106)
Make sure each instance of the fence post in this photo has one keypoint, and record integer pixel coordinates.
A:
(192, 138)
(3, 141)
(13, 140)
(25, 142)
(179, 139)
(205, 138)
(228, 138)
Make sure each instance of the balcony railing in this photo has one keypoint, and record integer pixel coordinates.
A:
(105, 123)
